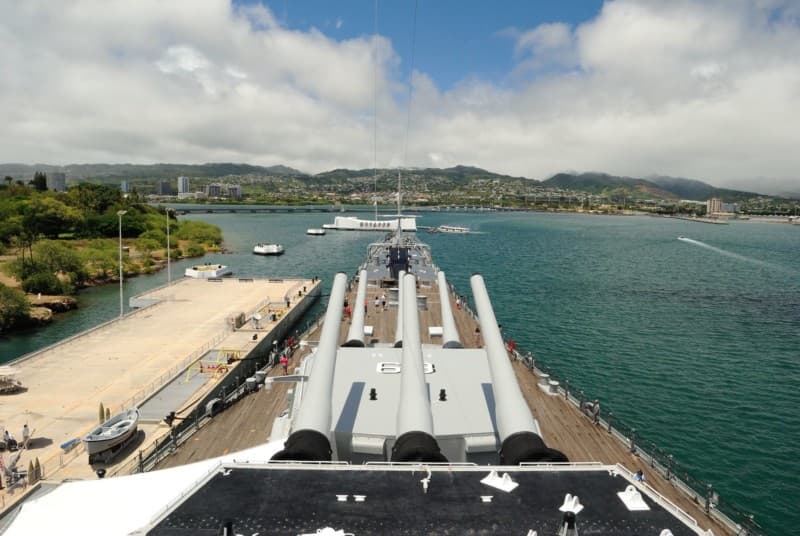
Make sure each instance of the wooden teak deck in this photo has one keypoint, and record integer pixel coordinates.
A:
(564, 426)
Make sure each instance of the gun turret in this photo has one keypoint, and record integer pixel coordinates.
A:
(449, 332)
(310, 439)
(398, 333)
(518, 430)
(415, 439)
(355, 335)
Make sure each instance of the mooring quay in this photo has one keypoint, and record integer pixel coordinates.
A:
(189, 332)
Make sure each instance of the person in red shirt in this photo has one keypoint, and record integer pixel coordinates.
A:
(285, 364)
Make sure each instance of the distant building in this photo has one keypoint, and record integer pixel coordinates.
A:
(716, 206)
(713, 205)
(213, 190)
(56, 182)
(123, 187)
(234, 191)
(183, 185)
(162, 188)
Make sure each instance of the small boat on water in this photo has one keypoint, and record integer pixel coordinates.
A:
(112, 433)
(208, 271)
(268, 249)
(453, 229)
(315, 232)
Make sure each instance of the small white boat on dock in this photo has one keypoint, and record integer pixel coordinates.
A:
(268, 249)
(111, 433)
(315, 232)
(208, 271)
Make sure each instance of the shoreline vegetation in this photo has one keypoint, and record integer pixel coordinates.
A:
(54, 243)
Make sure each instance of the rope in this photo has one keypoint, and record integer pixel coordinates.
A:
(410, 81)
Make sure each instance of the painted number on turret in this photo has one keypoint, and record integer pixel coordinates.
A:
(393, 367)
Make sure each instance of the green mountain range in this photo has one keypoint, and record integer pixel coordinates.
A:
(463, 178)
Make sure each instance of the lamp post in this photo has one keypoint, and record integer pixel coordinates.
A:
(120, 213)
(169, 268)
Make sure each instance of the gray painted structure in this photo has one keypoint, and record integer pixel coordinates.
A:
(315, 409)
(413, 406)
(450, 337)
(512, 412)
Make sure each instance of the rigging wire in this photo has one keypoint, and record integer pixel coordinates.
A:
(375, 115)
(410, 81)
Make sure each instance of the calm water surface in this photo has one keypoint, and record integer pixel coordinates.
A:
(694, 342)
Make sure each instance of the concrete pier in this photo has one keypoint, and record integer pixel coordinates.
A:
(126, 361)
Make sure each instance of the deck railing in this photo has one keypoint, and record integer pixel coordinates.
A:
(727, 513)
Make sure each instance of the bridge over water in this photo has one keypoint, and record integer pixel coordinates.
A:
(215, 209)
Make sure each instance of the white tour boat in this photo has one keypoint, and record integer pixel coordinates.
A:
(208, 271)
(268, 249)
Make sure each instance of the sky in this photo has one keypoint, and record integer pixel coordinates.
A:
(708, 90)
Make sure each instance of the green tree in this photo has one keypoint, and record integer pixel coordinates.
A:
(193, 249)
(199, 231)
(44, 282)
(14, 306)
(59, 257)
(93, 198)
(39, 181)
(49, 217)
(154, 234)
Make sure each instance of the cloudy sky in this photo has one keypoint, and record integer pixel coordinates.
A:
(707, 90)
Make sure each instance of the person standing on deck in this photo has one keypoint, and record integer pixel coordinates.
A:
(458, 302)
(383, 301)
(26, 434)
(285, 364)
(377, 302)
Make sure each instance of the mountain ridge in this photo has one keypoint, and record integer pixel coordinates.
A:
(598, 183)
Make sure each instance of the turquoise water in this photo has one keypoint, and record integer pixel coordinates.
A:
(693, 342)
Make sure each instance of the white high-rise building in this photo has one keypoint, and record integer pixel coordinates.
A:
(183, 185)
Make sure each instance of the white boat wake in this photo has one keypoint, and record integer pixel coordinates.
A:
(727, 253)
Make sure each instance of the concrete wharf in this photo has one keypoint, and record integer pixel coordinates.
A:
(564, 426)
(126, 361)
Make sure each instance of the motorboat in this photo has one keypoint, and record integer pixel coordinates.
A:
(315, 232)
(453, 229)
(268, 249)
(208, 271)
(112, 433)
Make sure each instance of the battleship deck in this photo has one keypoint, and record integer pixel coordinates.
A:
(563, 425)
(124, 362)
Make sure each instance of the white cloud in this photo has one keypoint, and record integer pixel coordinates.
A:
(689, 88)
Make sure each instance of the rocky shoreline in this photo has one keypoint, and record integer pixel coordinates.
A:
(43, 308)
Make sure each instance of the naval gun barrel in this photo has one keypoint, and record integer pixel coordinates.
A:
(355, 335)
(415, 440)
(398, 333)
(310, 439)
(518, 430)
(449, 332)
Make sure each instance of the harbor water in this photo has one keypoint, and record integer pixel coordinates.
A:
(688, 332)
